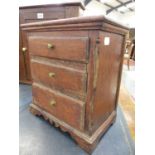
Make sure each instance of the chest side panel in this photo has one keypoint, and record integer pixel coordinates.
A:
(108, 61)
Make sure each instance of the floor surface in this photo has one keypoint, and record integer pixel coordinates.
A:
(127, 105)
(127, 97)
(38, 137)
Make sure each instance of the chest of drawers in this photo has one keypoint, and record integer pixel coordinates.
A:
(76, 68)
(28, 14)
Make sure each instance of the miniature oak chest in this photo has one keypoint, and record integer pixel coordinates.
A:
(76, 66)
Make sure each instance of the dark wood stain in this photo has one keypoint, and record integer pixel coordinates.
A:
(39, 46)
(87, 74)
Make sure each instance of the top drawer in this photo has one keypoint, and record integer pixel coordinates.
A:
(66, 48)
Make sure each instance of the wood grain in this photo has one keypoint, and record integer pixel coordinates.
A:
(64, 47)
(86, 67)
(67, 80)
(67, 109)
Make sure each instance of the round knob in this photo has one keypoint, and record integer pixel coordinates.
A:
(51, 74)
(24, 49)
(52, 103)
(50, 46)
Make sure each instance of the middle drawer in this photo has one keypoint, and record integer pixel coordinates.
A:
(65, 79)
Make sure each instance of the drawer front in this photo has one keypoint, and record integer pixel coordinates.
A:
(41, 15)
(66, 80)
(67, 48)
(64, 108)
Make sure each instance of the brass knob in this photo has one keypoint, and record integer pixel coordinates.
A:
(50, 46)
(24, 49)
(51, 74)
(52, 103)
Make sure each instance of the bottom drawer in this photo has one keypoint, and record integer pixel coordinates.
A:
(59, 105)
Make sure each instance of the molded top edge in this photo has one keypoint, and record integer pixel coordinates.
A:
(75, 20)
